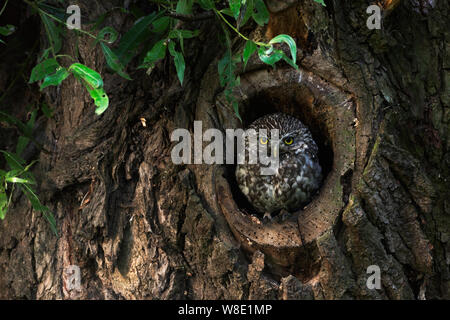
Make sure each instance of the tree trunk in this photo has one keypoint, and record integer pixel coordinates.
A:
(140, 227)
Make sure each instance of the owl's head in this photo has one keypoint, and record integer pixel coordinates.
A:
(294, 136)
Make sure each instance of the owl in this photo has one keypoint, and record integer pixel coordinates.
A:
(298, 175)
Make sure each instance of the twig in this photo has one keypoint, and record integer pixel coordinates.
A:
(189, 17)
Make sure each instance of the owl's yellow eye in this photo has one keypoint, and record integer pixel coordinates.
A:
(263, 140)
(288, 141)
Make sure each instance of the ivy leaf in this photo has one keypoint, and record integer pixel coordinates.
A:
(131, 40)
(261, 15)
(53, 32)
(7, 30)
(178, 59)
(246, 12)
(249, 49)
(90, 76)
(113, 61)
(156, 53)
(289, 41)
(55, 79)
(321, 2)
(184, 7)
(43, 69)
(235, 7)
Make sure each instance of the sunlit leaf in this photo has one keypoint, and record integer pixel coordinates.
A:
(321, 2)
(270, 56)
(55, 79)
(92, 77)
(289, 41)
(101, 100)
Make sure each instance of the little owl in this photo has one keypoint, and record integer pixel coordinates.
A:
(299, 173)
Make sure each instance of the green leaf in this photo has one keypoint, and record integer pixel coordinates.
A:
(261, 15)
(113, 61)
(48, 112)
(55, 79)
(235, 7)
(19, 180)
(178, 59)
(131, 40)
(90, 76)
(24, 140)
(101, 100)
(43, 69)
(181, 35)
(15, 162)
(156, 53)
(53, 32)
(289, 41)
(321, 2)
(102, 35)
(4, 203)
(94, 85)
(36, 204)
(160, 25)
(270, 56)
(249, 49)
(7, 30)
(184, 7)
(206, 4)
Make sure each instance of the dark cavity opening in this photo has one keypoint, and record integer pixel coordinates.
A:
(298, 102)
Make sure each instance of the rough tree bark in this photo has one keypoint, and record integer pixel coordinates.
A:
(139, 226)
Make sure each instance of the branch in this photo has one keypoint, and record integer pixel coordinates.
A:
(188, 17)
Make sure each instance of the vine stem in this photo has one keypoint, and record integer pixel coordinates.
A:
(4, 6)
(237, 31)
